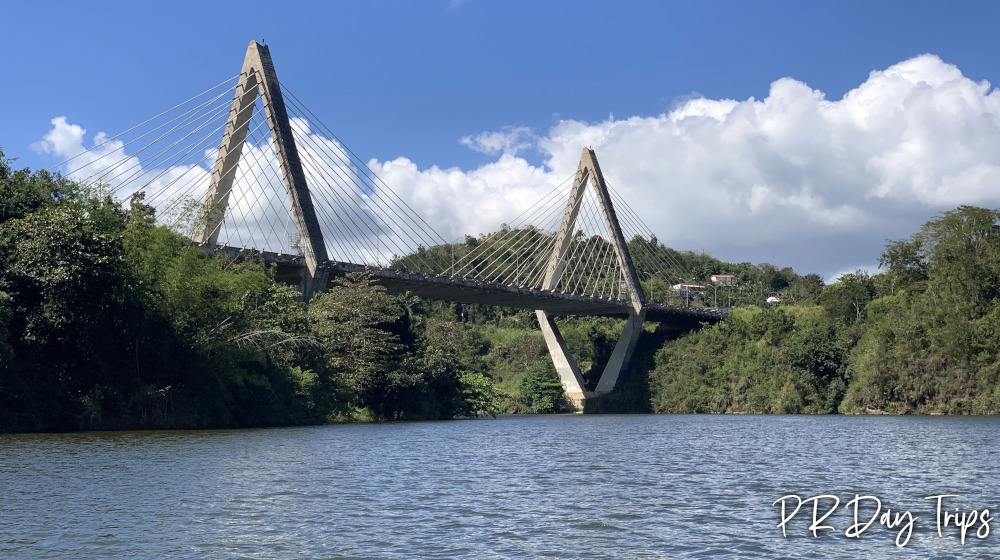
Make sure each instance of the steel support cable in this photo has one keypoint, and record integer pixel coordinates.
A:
(613, 265)
(520, 243)
(321, 150)
(242, 185)
(585, 255)
(645, 229)
(599, 258)
(523, 243)
(550, 250)
(364, 166)
(151, 161)
(312, 157)
(563, 282)
(181, 154)
(577, 278)
(99, 173)
(609, 265)
(347, 204)
(590, 263)
(538, 213)
(278, 207)
(362, 242)
(184, 190)
(206, 155)
(551, 208)
(606, 263)
(571, 278)
(234, 197)
(331, 219)
(181, 158)
(323, 188)
(531, 254)
(543, 206)
(618, 279)
(527, 243)
(337, 237)
(175, 200)
(496, 244)
(406, 218)
(486, 252)
(641, 247)
(383, 204)
(327, 210)
(283, 209)
(600, 267)
(660, 258)
(472, 255)
(338, 243)
(147, 121)
(191, 181)
(271, 177)
(546, 251)
(115, 174)
(499, 238)
(248, 189)
(538, 278)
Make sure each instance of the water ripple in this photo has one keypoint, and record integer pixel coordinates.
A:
(517, 487)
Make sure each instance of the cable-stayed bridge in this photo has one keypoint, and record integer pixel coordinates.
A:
(246, 167)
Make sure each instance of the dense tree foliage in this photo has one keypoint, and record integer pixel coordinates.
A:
(774, 360)
(109, 321)
(921, 337)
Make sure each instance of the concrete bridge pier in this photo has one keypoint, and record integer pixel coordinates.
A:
(566, 367)
(589, 173)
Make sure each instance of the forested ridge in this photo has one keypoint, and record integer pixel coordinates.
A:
(920, 337)
(108, 321)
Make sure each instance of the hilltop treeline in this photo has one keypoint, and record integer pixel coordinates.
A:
(108, 321)
(921, 337)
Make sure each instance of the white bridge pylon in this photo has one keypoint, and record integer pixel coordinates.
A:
(589, 173)
(259, 78)
(237, 170)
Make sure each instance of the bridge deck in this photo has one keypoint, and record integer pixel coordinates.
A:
(470, 291)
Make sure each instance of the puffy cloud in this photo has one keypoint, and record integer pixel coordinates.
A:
(508, 141)
(795, 179)
(106, 161)
(64, 138)
(460, 202)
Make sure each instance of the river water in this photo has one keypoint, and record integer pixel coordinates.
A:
(513, 487)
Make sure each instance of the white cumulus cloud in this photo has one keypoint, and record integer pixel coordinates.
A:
(795, 178)
(508, 141)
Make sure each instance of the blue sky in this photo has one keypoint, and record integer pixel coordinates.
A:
(406, 82)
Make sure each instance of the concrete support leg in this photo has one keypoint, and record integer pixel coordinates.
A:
(622, 353)
(569, 372)
(313, 284)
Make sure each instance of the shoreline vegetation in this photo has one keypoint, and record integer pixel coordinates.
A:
(108, 321)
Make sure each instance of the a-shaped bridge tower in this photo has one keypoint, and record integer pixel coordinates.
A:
(283, 186)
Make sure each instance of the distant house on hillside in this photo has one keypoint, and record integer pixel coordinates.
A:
(724, 279)
(687, 291)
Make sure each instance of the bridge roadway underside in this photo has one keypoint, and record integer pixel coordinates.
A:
(291, 267)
